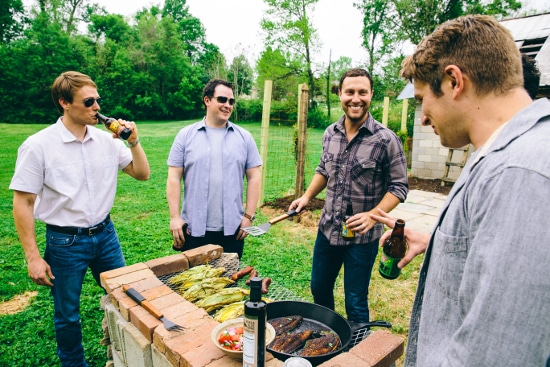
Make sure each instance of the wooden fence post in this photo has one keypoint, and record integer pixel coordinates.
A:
(301, 139)
(404, 113)
(264, 135)
(386, 111)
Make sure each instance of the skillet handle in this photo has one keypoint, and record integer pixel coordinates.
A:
(381, 323)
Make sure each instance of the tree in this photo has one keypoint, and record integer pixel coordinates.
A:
(287, 27)
(281, 69)
(240, 74)
(11, 19)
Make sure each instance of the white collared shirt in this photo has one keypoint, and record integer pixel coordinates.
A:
(75, 181)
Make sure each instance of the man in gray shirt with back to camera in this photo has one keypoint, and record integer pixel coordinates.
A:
(483, 296)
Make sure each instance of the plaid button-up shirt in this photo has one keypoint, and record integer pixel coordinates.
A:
(361, 172)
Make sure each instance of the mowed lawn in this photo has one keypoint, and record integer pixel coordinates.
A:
(141, 218)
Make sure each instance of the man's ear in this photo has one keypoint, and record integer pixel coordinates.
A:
(455, 78)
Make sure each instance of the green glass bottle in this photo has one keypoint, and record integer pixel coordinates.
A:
(393, 251)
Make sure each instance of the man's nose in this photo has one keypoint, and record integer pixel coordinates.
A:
(425, 121)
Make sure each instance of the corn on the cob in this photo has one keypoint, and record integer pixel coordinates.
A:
(231, 311)
(221, 298)
(196, 273)
(205, 288)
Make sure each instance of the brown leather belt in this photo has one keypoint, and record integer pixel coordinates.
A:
(90, 231)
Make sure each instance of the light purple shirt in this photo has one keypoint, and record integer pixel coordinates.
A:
(191, 150)
(75, 182)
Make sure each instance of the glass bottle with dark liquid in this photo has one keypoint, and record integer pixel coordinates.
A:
(255, 319)
(393, 251)
(114, 126)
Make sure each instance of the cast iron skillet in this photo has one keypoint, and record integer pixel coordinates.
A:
(318, 318)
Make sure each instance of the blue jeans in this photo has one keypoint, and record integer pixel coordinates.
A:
(358, 260)
(69, 257)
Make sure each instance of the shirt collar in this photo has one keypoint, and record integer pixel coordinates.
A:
(68, 137)
(368, 125)
(202, 124)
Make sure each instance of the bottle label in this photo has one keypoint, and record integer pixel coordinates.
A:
(388, 267)
(114, 126)
(347, 233)
(250, 344)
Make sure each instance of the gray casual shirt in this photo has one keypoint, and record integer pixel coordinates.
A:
(191, 150)
(483, 297)
(361, 172)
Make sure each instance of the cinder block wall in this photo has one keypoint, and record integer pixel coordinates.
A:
(428, 155)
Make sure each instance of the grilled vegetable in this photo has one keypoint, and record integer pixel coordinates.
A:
(205, 288)
(196, 273)
(288, 343)
(222, 298)
(229, 312)
(328, 342)
(286, 323)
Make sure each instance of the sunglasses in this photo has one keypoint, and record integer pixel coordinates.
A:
(222, 100)
(89, 102)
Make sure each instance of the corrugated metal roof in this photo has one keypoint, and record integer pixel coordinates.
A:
(532, 27)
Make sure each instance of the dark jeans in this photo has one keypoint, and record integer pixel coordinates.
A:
(358, 260)
(69, 257)
(229, 243)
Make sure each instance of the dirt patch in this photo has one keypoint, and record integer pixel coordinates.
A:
(17, 303)
(315, 204)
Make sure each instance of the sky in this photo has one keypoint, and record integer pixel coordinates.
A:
(234, 25)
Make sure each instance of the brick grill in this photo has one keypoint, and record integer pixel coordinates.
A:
(138, 339)
(276, 291)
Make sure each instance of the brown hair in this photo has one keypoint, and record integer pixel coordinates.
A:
(480, 46)
(66, 84)
(354, 73)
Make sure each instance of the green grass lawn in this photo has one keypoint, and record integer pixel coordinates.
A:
(141, 218)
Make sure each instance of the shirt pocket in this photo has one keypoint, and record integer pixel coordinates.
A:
(363, 171)
(448, 262)
(328, 160)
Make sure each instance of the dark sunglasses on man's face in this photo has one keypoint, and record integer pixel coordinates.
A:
(222, 100)
(89, 102)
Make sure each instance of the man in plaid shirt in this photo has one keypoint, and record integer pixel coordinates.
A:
(363, 163)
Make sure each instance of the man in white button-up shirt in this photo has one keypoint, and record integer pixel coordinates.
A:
(66, 176)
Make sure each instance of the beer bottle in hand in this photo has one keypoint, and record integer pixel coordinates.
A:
(393, 251)
(113, 125)
(347, 233)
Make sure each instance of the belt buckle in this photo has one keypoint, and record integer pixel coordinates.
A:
(92, 229)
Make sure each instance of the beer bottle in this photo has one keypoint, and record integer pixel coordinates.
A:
(113, 125)
(393, 251)
(255, 319)
(347, 233)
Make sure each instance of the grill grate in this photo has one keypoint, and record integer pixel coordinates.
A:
(276, 292)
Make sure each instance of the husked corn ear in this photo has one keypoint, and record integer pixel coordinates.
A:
(221, 298)
(205, 288)
(216, 282)
(196, 273)
(229, 312)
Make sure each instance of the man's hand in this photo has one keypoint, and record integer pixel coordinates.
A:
(417, 241)
(361, 223)
(40, 272)
(298, 204)
(177, 228)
